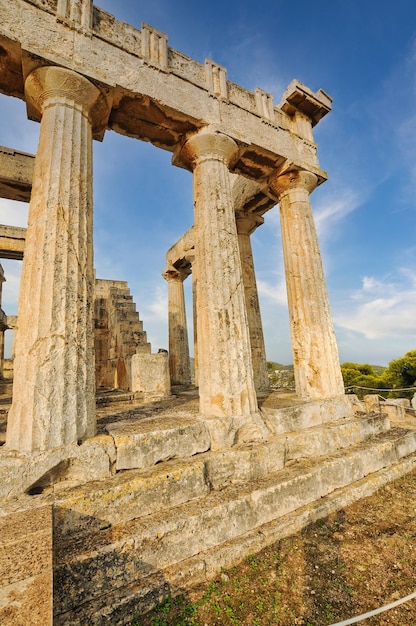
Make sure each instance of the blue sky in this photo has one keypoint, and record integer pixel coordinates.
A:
(363, 54)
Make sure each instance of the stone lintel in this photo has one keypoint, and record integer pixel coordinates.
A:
(298, 97)
(11, 321)
(16, 173)
(181, 251)
(249, 198)
(143, 90)
(12, 242)
(3, 320)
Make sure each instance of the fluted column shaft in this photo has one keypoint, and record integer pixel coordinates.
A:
(195, 321)
(54, 378)
(1, 352)
(246, 224)
(179, 362)
(315, 352)
(226, 385)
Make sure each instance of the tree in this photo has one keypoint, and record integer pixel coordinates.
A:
(360, 375)
(401, 373)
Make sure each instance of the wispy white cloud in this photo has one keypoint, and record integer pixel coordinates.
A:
(274, 292)
(332, 209)
(382, 308)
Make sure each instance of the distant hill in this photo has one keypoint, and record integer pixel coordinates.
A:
(272, 366)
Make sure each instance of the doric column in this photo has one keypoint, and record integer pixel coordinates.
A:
(179, 363)
(3, 322)
(315, 353)
(195, 318)
(226, 385)
(54, 378)
(246, 225)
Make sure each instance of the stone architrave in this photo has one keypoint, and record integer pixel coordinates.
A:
(179, 362)
(54, 386)
(246, 224)
(315, 352)
(225, 372)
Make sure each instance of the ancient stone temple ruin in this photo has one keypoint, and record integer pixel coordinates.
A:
(108, 507)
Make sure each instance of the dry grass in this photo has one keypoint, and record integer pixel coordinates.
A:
(353, 561)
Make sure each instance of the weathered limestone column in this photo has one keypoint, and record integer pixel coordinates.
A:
(226, 385)
(195, 323)
(315, 352)
(54, 378)
(179, 362)
(246, 225)
(3, 322)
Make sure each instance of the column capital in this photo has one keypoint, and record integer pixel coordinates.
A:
(209, 145)
(175, 274)
(295, 179)
(49, 85)
(247, 222)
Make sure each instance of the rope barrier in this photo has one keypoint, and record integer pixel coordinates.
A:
(387, 607)
(372, 388)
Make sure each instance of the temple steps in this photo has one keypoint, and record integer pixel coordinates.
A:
(193, 471)
(116, 606)
(122, 544)
(149, 441)
(110, 566)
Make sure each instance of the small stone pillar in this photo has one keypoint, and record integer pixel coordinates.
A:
(225, 372)
(78, 13)
(179, 362)
(54, 377)
(315, 352)
(246, 225)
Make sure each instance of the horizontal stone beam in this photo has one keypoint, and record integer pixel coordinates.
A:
(16, 173)
(11, 321)
(12, 242)
(158, 94)
(182, 252)
(248, 197)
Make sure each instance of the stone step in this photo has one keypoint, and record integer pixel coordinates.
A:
(133, 338)
(111, 395)
(298, 415)
(121, 555)
(117, 606)
(121, 293)
(127, 315)
(127, 324)
(133, 494)
(151, 441)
